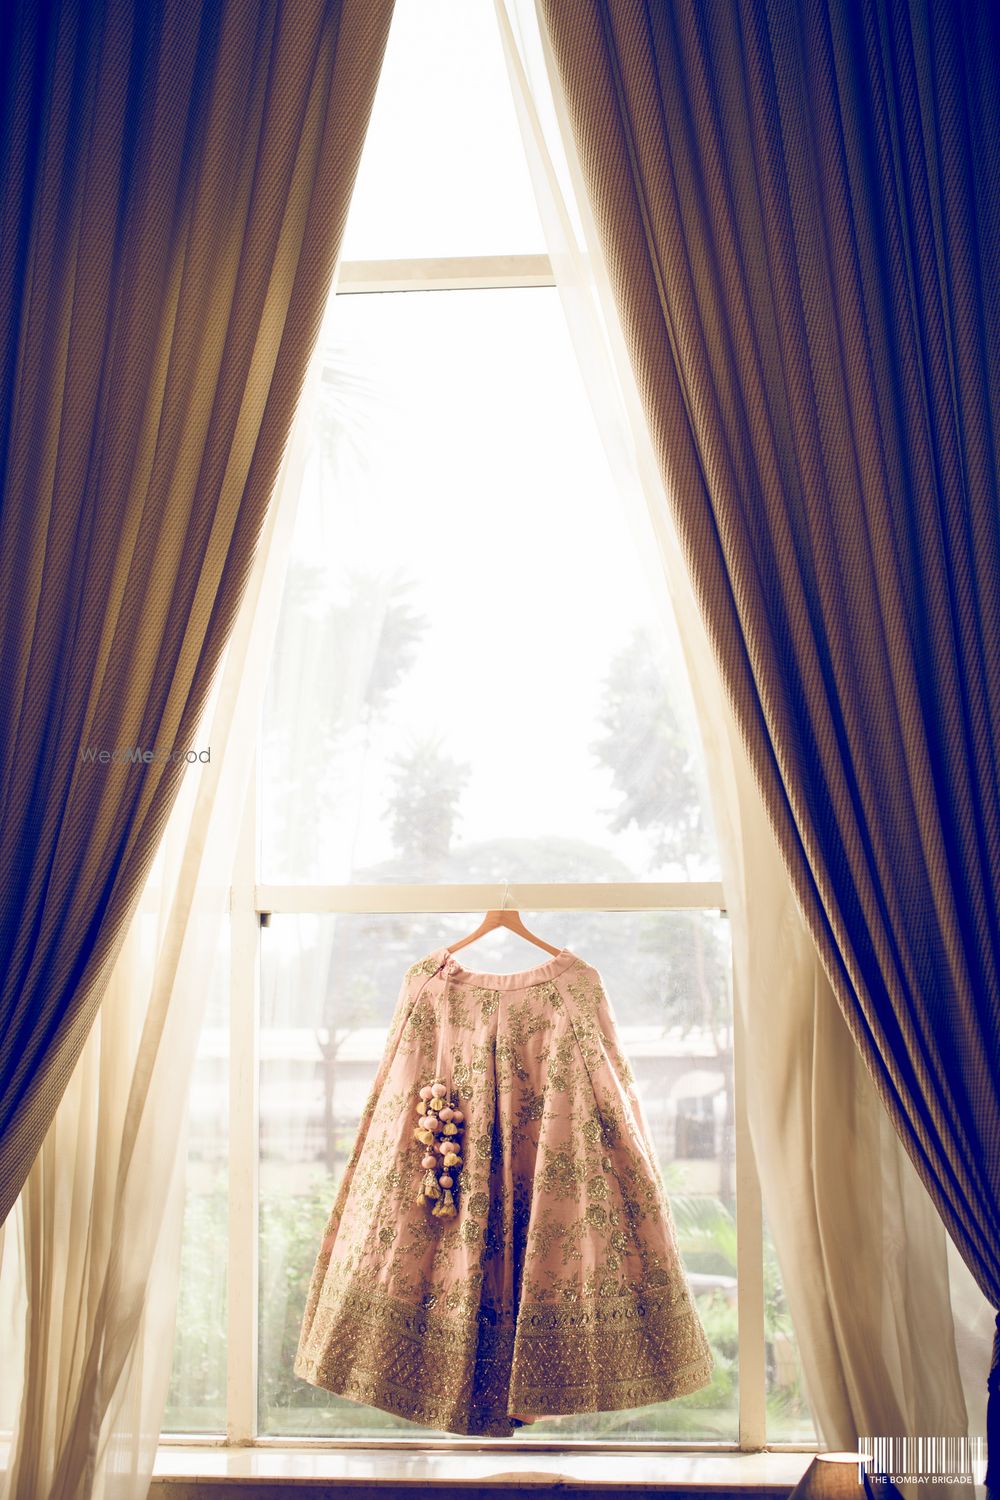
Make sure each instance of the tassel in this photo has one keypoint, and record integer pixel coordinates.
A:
(430, 1188)
(437, 1117)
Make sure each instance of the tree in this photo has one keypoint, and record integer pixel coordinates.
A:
(383, 630)
(649, 755)
(426, 787)
(344, 654)
(654, 772)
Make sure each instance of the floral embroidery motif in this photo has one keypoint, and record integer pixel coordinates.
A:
(557, 1265)
(411, 1359)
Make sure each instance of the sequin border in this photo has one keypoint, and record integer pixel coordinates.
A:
(476, 1375)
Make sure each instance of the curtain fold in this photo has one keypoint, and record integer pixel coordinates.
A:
(862, 1251)
(94, 1239)
(798, 206)
(175, 184)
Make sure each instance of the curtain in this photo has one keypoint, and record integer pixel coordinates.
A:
(798, 207)
(862, 1252)
(174, 188)
(93, 1242)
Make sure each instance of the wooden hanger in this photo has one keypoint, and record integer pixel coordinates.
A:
(505, 917)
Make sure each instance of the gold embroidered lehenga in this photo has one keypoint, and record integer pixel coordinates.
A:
(557, 1286)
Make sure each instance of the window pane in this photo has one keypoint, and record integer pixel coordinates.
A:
(471, 681)
(789, 1419)
(443, 171)
(329, 985)
(196, 1401)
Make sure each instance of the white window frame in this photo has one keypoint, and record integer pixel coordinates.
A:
(252, 903)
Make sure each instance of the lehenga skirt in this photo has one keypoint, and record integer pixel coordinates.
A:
(556, 1286)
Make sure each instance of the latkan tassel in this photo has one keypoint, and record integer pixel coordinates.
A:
(446, 1208)
(430, 1187)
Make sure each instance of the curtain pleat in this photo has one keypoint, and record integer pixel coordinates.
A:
(798, 204)
(864, 1259)
(96, 1235)
(175, 182)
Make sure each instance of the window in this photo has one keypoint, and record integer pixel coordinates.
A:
(471, 685)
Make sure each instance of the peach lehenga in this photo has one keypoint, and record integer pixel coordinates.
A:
(556, 1286)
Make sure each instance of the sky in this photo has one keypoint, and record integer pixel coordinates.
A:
(475, 467)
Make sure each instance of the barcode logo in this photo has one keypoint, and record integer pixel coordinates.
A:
(908, 1460)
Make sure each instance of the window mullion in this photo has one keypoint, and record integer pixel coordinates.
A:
(612, 895)
(749, 1258)
(444, 274)
(241, 1402)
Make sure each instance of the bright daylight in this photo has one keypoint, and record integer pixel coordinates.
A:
(499, 596)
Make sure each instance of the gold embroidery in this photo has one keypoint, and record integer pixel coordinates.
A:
(546, 995)
(561, 1060)
(610, 1123)
(532, 1106)
(561, 1174)
(524, 1020)
(458, 1012)
(588, 996)
(422, 1021)
(489, 1001)
(557, 1175)
(509, 1066)
(630, 1349)
(428, 965)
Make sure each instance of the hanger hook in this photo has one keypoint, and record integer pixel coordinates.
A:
(506, 893)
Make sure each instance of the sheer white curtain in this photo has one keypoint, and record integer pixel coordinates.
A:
(862, 1251)
(90, 1264)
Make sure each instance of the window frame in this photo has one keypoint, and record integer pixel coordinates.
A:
(251, 904)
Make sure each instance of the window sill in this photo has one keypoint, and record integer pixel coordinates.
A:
(184, 1473)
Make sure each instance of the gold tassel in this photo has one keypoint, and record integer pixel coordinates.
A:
(446, 1208)
(430, 1188)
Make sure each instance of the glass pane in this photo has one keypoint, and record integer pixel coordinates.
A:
(329, 985)
(443, 170)
(471, 680)
(789, 1419)
(196, 1401)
